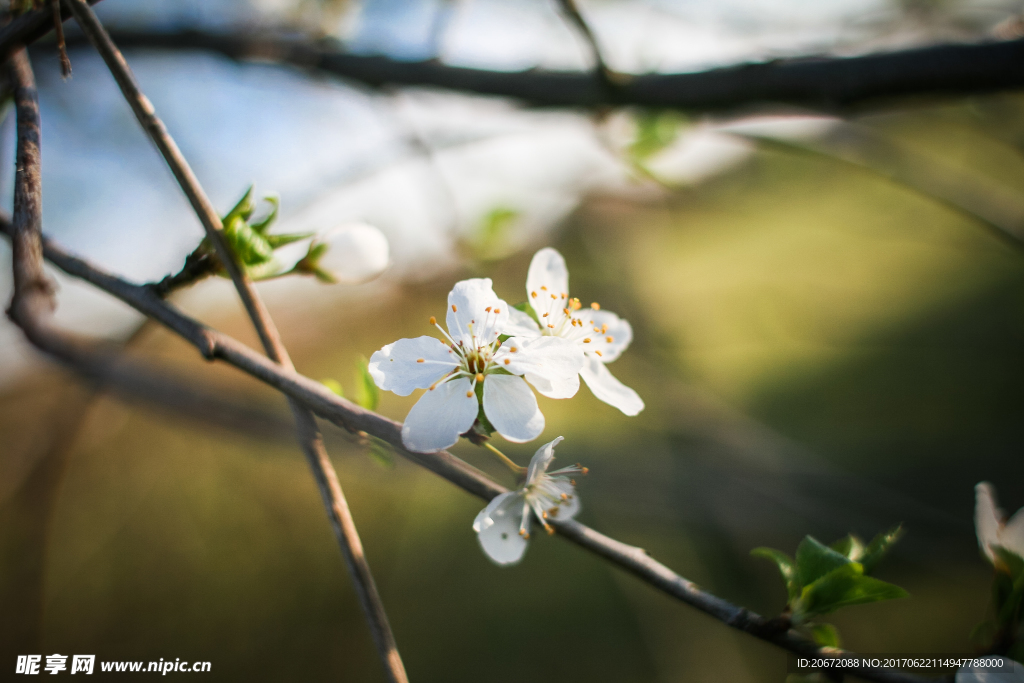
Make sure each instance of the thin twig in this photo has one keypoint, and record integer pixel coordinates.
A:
(834, 83)
(607, 77)
(58, 27)
(215, 345)
(308, 433)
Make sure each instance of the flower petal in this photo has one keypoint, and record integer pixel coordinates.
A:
(357, 252)
(547, 275)
(521, 324)
(565, 387)
(1012, 536)
(440, 416)
(988, 519)
(497, 528)
(409, 364)
(511, 408)
(600, 327)
(541, 460)
(568, 508)
(610, 390)
(469, 319)
(550, 358)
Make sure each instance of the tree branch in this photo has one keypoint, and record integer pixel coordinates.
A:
(309, 436)
(215, 345)
(28, 28)
(822, 82)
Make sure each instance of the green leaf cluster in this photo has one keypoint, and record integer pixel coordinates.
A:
(1002, 631)
(822, 579)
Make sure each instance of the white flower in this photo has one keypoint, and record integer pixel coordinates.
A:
(971, 674)
(356, 252)
(503, 527)
(451, 372)
(992, 526)
(602, 335)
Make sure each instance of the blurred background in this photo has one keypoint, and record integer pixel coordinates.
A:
(828, 338)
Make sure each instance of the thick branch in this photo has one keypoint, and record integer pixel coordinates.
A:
(215, 345)
(827, 82)
(309, 436)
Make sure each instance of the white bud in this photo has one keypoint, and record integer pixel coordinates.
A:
(356, 252)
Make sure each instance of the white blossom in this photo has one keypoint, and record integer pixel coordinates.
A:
(992, 527)
(356, 252)
(503, 527)
(601, 335)
(473, 368)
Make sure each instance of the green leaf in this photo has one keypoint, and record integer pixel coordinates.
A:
(276, 241)
(250, 247)
(334, 385)
(825, 635)
(850, 547)
(526, 308)
(843, 586)
(786, 567)
(380, 453)
(655, 130)
(814, 560)
(243, 209)
(275, 204)
(491, 234)
(367, 394)
(878, 547)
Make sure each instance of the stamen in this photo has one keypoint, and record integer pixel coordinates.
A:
(549, 529)
(469, 394)
(533, 294)
(420, 360)
(598, 352)
(587, 340)
(544, 515)
(454, 309)
(545, 315)
(565, 497)
(564, 295)
(604, 328)
(609, 339)
(553, 296)
(551, 326)
(513, 349)
(507, 361)
(479, 377)
(586, 471)
(544, 288)
(433, 320)
(573, 482)
(596, 306)
(488, 309)
(497, 310)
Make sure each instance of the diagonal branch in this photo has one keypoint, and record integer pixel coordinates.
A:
(214, 345)
(308, 432)
(605, 74)
(815, 81)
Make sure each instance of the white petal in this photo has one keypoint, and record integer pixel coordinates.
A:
(1012, 536)
(988, 519)
(521, 324)
(619, 331)
(511, 408)
(397, 366)
(563, 387)
(497, 528)
(610, 390)
(469, 319)
(356, 252)
(551, 358)
(547, 282)
(541, 460)
(440, 416)
(569, 507)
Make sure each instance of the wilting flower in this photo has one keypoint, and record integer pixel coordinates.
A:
(601, 335)
(992, 527)
(503, 527)
(473, 369)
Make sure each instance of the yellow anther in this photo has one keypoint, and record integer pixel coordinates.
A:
(497, 310)
(551, 326)
(598, 352)
(544, 515)
(564, 295)
(420, 360)
(609, 339)
(433, 320)
(544, 288)
(587, 340)
(586, 470)
(604, 328)
(469, 394)
(573, 482)
(596, 306)
(479, 377)
(565, 497)
(454, 309)
(565, 310)
(533, 294)
(553, 296)
(576, 305)
(488, 309)
(507, 361)
(549, 529)
(513, 349)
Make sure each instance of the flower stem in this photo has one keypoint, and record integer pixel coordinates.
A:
(505, 459)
